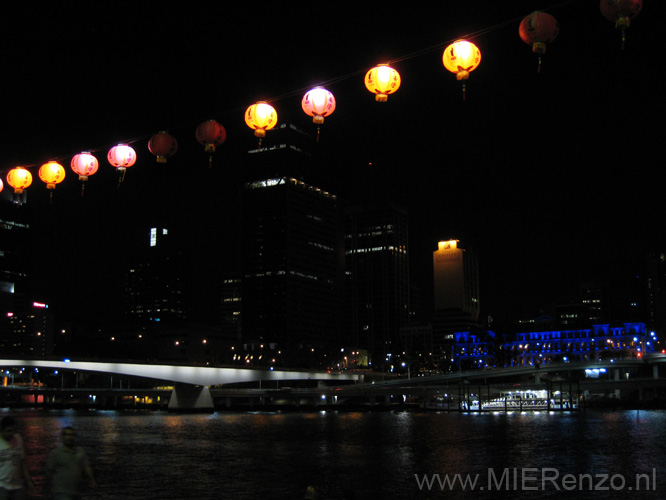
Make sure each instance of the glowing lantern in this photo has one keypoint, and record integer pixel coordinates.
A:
(538, 29)
(51, 173)
(84, 164)
(318, 103)
(461, 58)
(382, 80)
(211, 134)
(121, 157)
(621, 12)
(163, 145)
(19, 178)
(2, 186)
(261, 117)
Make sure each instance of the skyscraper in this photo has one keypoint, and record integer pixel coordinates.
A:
(291, 248)
(456, 288)
(377, 278)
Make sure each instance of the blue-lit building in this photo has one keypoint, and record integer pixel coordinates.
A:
(473, 350)
(598, 343)
(601, 342)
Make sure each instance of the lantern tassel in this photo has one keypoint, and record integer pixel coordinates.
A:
(318, 128)
(463, 91)
(539, 65)
(624, 37)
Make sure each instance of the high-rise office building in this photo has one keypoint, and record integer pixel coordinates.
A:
(291, 248)
(456, 288)
(26, 326)
(456, 280)
(14, 247)
(377, 279)
(154, 282)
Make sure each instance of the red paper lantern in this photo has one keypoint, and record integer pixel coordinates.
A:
(2, 186)
(538, 29)
(621, 12)
(163, 145)
(211, 134)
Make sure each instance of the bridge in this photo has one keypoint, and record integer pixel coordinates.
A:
(613, 368)
(196, 386)
(192, 383)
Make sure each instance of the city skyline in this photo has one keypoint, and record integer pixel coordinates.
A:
(547, 176)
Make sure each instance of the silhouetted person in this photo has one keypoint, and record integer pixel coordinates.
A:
(311, 493)
(66, 466)
(14, 472)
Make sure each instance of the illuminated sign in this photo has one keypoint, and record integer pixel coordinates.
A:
(40, 305)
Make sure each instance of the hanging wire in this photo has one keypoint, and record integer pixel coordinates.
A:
(330, 82)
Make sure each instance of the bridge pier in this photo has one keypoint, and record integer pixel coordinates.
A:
(187, 397)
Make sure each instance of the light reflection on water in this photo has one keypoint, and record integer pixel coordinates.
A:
(375, 454)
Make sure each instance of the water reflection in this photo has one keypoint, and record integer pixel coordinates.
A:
(376, 454)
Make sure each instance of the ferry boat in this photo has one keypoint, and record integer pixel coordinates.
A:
(526, 401)
(511, 401)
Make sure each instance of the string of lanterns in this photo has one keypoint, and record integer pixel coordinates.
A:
(461, 57)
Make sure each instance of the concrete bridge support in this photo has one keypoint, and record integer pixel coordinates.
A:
(187, 397)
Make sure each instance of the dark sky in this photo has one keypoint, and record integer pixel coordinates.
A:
(553, 178)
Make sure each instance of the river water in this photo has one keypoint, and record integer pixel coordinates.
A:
(375, 455)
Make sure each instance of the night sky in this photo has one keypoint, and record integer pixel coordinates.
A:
(553, 178)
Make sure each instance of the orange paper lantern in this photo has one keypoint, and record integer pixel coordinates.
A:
(51, 173)
(461, 57)
(261, 117)
(19, 178)
(382, 80)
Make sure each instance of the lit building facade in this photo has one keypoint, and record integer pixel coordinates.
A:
(598, 343)
(27, 331)
(601, 342)
(456, 296)
(377, 280)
